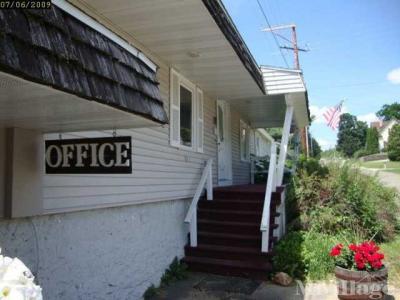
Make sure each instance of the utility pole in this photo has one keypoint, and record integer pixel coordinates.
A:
(295, 48)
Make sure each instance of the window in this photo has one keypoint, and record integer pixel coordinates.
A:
(186, 114)
(244, 141)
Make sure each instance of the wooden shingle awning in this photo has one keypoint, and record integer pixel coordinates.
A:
(52, 48)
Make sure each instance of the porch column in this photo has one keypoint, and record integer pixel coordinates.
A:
(284, 143)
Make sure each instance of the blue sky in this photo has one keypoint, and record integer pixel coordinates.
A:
(354, 45)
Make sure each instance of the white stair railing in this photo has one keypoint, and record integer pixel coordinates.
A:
(270, 188)
(191, 216)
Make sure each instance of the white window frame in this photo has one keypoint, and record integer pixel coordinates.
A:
(197, 113)
(244, 157)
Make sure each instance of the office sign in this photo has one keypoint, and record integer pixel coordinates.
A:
(111, 155)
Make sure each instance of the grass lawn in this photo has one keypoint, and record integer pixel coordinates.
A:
(392, 260)
(397, 171)
(391, 166)
(381, 164)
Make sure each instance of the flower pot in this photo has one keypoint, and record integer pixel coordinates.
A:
(360, 285)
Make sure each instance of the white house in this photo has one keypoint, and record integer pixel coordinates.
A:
(384, 132)
(115, 116)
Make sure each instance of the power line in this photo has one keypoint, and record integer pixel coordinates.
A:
(273, 34)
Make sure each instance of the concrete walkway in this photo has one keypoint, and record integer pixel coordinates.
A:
(386, 178)
(200, 286)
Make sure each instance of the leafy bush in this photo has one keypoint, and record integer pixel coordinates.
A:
(176, 271)
(372, 143)
(394, 143)
(311, 166)
(288, 256)
(360, 153)
(346, 200)
(324, 207)
(305, 255)
(318, 264)
(151, 292)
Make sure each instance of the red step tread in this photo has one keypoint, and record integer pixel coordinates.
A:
(226, 211)
(250, 265)
(242, 250)
(230, 235)
(229, 223)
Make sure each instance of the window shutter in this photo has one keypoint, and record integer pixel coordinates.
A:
(200, 121)
(174, 109)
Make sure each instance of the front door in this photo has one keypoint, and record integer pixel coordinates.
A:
(224, 143)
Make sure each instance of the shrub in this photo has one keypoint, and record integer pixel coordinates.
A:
(394, 143)
(305, 255)
(325, 207)
(288, 256)
(360, 153)
(372, 143)
(311, 166)
(345, 200)
(176, 271)
(151, 292)
(318, 264)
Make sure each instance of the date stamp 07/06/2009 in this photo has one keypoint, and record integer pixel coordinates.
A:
(25, 4)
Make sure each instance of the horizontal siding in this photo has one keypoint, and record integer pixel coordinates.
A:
(160, 172)
(282, 81)
(240, 169)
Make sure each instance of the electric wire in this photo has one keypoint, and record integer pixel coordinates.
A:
(273, 33)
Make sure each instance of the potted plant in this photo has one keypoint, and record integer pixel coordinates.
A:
(360, 271)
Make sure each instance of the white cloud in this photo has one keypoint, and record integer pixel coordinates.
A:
(371, 117)
(326, 144)
(394, 76)
(317, 112)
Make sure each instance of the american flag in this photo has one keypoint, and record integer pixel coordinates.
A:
(332, 116)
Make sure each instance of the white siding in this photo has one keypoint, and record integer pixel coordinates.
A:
(240, 169)
(281, 81)
(160, 171)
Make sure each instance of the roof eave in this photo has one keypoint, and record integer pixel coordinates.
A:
(225, 23)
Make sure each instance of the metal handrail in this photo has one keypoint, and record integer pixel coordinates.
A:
(191, 216)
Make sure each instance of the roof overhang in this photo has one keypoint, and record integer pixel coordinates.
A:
(195, 37)
(25, 104)
(284, 87)
(55, 55)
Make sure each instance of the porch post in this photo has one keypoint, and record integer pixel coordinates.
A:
(284, 143)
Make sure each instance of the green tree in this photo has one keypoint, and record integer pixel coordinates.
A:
(372, 143)
(352, 134)
(315, 149)
(394, 143)
(389, 111)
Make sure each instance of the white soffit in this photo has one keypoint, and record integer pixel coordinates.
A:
(282, 81)
(185, 35)
(29, 105)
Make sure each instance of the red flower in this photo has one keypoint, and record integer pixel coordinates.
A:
(337, 250)
(365, 256)
(353, 247)
(360, 265)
